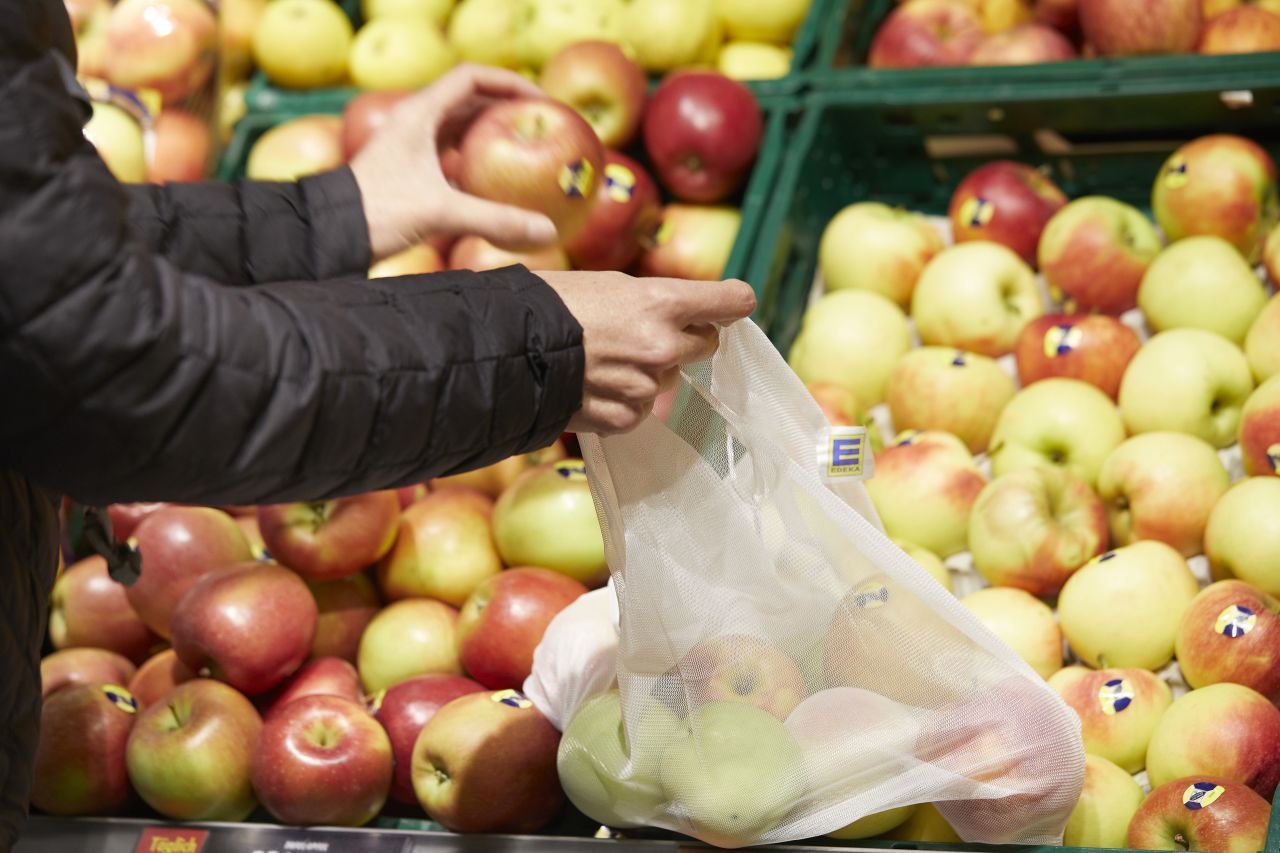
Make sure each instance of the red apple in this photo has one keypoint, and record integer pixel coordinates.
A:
(181, 149)
(1204, 813)
(166, 45)
(83, 666)
(926, 33)
(503, 621)
(626, 212)
(1005, 202)
(1027, 44)
(161, 673)
(444, 549)
(125, 518)
(1231, 632)
(1244, 29)
(603, 84)
(404, 709)
(410, 494)
(364, 115)
(1062, 15)
(1094, 253)
(345, 608)
(691, 242)
(1093, 347)
(79, 765)
(323, 760)
(251, 624)
(742, 668)
(536, 154)
(179, 544)
(702, 131)
(88, 608)
(318, 677)
(1131, 27)
(327, 540)
(478, 254)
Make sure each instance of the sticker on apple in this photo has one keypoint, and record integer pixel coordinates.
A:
(121, 698)
(1201, 795)
(1273, 456)
(870, 595)
(573, 471)
(1061, 340)
(512, 699)
(1235, 621)
(1115, 696)
(978, 212)
(1175, 174)
(577, 179)
(619, 182)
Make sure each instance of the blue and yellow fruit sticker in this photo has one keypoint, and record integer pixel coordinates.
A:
(121, 698)
(1235, 621)
(960, 359)
(572, 470)
(870, 595)
(1061, 339)
(1201, 795)
(845, 453)
(1175, 172)
(376, 700)
(512, 699)
(577, 179)
(1273, 456)
(619, 183)
(1115, 696)
(1059, 296)
(1102, 558)
(977, 212)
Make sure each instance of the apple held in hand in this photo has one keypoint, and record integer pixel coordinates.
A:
(548, 518)
(1091, 347)
(404, 709)
(1205, 813)
(417, 636)
(303, 44)
(79, 766)
(1118, 710)
(475, 253)
(1025, 44)
(927, 33)
(1023, 623)
(935, 388)
(690, 241)
(1242, 539)
(344, 609)
(1123, 609)
(327, 540)
(161, 673)
(627, 212)
(1108, 802)
(603, 84)
(852, 339)
(83, 666)
(303, 146)
(364, 115)
(871, 246)
(166, 45)
(1259, 431)
(1244, 29)
(445, 549)
(318, 677)
(1094, 252)
(89, 608)
(1231, 633)
(1202, 283)
(1007, 203)
(1126, 28)
(1262, 344)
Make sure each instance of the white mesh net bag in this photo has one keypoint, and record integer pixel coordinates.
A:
(783, 669)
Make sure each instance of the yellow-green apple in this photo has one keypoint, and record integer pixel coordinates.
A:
(1002, 15)
(547, 518)
(1024, 44)
(483, 32)
(435, 11)
(1063, 422)
(976, 296)
(1033, 527)
(328, 540)
(1007, 203)
(1187, 380)
(475, 253)
(734, 775)
(1123, 608)
(89, 19)
(872, 246)
(117, 137)
(486, 762)
(768, 22)
(157, 676)
(702, 132)
(1262, 344)
(691, 241)
(926, 823)
(1118, 710)
(495, 479)
(1108, 802)
(399, 53)
(928, 561)
(1216, 7)
(231, 108)
(250, 624)
(503, 621)
(190, 756)
(89, 608)
(1093, 347)
(1231, 633)
(444, 549)
(627, 211)
(927, 33)
(852, 339)
(537, 154)
(1202, 283)
(668, 34)
(1244, 29)
(79, 766)
(418, 259)
(1224, 729)
(169, 46)
(237, 22)
(925, 486)
(1094, 252)
(181, 148)
(753, 60)
(1126, 28)
(178, 544)
(364, 115)
(303, 44)
(344, 608)
(1220, 185)
(742, 668)
(1259, 431)
(875, 825)
(125, 518)
(840, 408)
(302, 146)
(603, 84)
(1242, 539)
(1201, 812)
(318, 677)
(417, 636)
(323, 760)
(404, 709)
(542, 28)
(936, 388)
(1162, 485)
(1022, 622)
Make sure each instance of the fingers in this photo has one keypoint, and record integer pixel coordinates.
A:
(434, 105)
(699, 343)
(608, 417)
(503, 225)
(701, 302)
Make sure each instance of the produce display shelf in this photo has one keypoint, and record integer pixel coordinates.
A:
(911, 146)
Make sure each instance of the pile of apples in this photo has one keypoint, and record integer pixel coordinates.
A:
(325, 660)
(925, 33)
(565, 156)
(1117, 460)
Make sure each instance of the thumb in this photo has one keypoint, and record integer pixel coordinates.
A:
(504, 225)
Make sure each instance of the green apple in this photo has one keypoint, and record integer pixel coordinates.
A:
(735, 775)
(1023, 623)
(1063, 422)
(1162, 485)
(1242, 539)
(1202, 283)
(928, 561)
(775, 21)
(1118, 710)
(417, 636)
(303, 44)
(1124, 607)
(547, 518)
(399, 53)
(433, 11)
(874, 825)
(306, 145)
(1262, 344)
(1107, 804)
(976, 296)
(926, 823)
(872, 246)
(1259, 431)
(753, 60)
(1186, 380)
(853, 339)
(668, 34)
(484, 32)
(118, 138)
(544, 27)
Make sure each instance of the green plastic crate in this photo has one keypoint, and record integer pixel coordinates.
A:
(891, 144)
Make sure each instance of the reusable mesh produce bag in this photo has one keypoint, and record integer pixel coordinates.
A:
(783, 669)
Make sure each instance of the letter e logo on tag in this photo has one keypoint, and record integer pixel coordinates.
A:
(845, 454)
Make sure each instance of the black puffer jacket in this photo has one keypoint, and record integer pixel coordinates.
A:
(144, 355)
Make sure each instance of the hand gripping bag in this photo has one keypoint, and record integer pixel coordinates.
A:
(783, 669)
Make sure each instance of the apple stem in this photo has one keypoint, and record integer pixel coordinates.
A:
(177, 720)
(1181, 841)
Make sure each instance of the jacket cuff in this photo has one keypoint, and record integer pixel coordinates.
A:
(339, 231)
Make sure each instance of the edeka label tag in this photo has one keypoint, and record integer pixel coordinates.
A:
(1201, 795)
(845, 454)
(169, 840)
